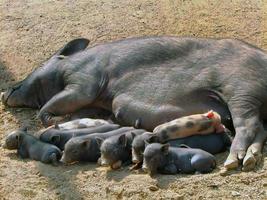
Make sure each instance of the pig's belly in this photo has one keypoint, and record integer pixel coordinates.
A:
(128, 108)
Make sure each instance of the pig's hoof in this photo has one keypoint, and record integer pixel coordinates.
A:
(136, 166)
(252, 157)
(231, 162)
(249, 163)
(224, 172)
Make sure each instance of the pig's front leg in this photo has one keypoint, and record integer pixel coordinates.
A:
(67, 101)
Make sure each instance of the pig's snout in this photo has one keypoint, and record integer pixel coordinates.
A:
(63, 160)
(3, 98)
(4, 145)
(135, 159)
(103, 162)
(116, 165)
(145, 168)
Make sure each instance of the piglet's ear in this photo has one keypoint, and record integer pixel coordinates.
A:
(56, 126)
(86, 143)
(73, 47)
(133, 134)
(55, 139)
(165, 148)
(123, 140)
(18, 138)
(153, 139)
(146, 143)
(99, 141)
(24, 129)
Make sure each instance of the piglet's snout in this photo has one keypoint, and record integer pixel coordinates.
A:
(63, 160)
(144, 167)
(134, 157)
(3, 97)
(104, 162)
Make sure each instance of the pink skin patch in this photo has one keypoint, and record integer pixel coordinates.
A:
(210, 114)
(220, 128)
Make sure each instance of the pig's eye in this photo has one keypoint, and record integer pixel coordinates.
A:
(75, 152)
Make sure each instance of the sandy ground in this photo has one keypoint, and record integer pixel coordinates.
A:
(31, 30)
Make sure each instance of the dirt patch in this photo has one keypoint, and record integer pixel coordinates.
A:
(31, 30)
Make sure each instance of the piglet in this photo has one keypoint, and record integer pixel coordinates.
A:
(172, 160)
(116, 150)
(213, 143)
(30, 147)
(87, 148)
(199, 124)
(60, 137)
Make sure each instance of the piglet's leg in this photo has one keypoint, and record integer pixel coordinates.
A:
(54, 159)
(65, 102)
(23, 153)
(170, 169)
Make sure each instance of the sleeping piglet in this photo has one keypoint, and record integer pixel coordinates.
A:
(199, 124)
(30, 147)
(172, 160)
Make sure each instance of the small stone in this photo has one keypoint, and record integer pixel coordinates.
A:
(224, 172)
(153, 188)
(214, 186)
(235, 193)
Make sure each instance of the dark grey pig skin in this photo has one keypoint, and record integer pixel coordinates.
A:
(172, 160)
(118, 148)
(29, 146)
(87, 148)
(61, 137)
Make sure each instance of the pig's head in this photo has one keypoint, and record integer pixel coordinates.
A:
(155, 156)
(13, 139)
(138, 145)
(114, 151)
(77, 149)
(44, 82)
(49, 137)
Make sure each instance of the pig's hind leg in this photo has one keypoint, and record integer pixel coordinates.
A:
(250, 134)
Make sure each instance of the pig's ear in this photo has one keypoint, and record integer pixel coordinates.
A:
(73, 47)
(184, 146)
(18, 138)
(55, 139)
(99, 141)
(24, 129)
(152, 139)
(165, 148)
(86, 143)
(123, 140)
(56, 125)
(146, 143)
(133, 134)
